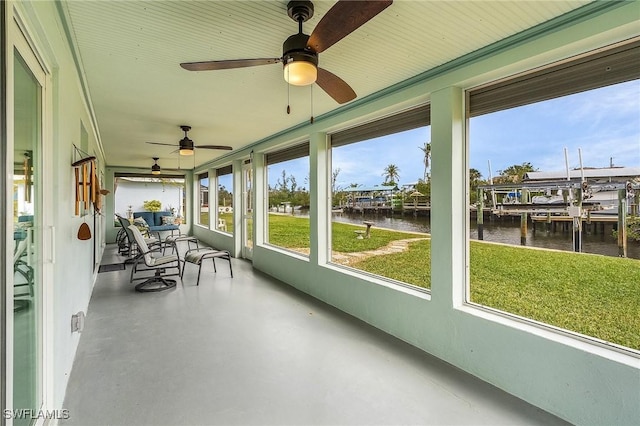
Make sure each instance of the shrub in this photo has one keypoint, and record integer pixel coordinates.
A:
(152, 205)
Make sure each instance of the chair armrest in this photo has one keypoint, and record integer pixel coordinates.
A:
(200, 249)
(157, 246)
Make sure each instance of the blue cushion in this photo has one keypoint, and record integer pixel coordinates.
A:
(25, 218)
(164, 228)
(154, 219)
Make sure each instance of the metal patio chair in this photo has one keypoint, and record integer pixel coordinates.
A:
(160, 265)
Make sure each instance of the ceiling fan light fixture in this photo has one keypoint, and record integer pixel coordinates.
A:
(186, 146)
(155, 169)
(300, 73)
(300, 63)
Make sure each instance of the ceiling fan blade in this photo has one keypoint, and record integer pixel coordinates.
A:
(222, 147)
(335, 87)
(230, 64)
(160, 143)
(341, 20)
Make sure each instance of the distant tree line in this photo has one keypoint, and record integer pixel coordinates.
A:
(286, 189)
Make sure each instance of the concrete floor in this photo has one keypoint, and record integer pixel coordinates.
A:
(251, 350)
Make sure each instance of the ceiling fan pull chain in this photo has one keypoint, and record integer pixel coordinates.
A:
(288, 97)
(311, 89)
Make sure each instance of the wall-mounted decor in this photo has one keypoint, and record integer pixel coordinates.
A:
(83, 169)
(87, 184)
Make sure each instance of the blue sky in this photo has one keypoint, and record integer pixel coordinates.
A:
(604, 123)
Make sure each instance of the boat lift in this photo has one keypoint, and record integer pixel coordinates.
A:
(570, 202)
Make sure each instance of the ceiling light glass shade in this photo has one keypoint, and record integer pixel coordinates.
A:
(300, 73)
(186, 151)
(155, 169)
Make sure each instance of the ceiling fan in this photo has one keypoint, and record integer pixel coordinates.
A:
(186, 145)
(300, 51)
(156, 170)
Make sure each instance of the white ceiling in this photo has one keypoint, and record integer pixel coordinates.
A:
(131, 50)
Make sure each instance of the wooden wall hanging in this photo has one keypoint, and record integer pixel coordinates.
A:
(87, 183)
(85, 174)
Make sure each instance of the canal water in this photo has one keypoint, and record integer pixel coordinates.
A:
(505, 231)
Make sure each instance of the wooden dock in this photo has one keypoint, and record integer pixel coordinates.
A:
(585, 219)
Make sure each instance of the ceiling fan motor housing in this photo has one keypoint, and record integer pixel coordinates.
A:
(295, 49)
(186, 143)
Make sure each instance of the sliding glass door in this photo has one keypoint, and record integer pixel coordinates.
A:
(247, 210)
(28, 81)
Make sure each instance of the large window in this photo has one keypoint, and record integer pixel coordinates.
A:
(225, 199)
(288, 198)
(203, 199)
(381, 193)
(554, 175)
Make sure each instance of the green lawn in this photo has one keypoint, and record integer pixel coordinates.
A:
(594, 295)
(204, 218)
(228, 217)
(288, 231)
(293, 232)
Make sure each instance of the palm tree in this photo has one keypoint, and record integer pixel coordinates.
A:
(391, 174)
(426, 149)
(474, 178)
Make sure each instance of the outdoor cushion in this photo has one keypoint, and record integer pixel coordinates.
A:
(168, 220)
(147, 216)
(154, 220)
(164, 228)
(157, 217)
(139, 221)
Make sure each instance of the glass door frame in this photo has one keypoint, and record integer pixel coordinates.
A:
(4, 205)
(21, 42)
(248, 210)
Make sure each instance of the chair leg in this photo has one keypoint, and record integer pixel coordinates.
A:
(230, 269)
(199, 270)
(133, 269)
(213, 259)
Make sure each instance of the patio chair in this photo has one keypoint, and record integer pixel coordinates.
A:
(173, 240)
(160, 265)
(23, 268)
(127, 246)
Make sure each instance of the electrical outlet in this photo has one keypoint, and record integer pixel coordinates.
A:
(77, 322)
